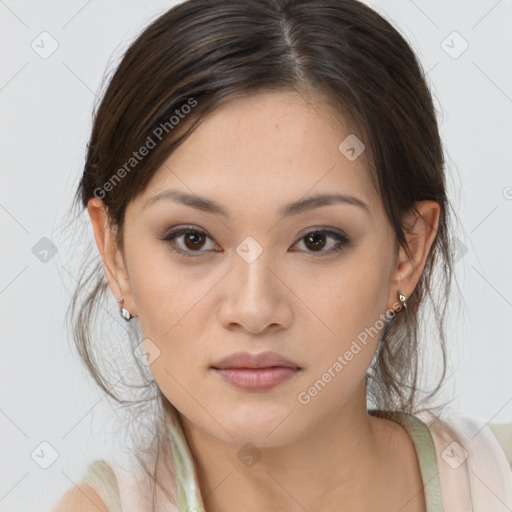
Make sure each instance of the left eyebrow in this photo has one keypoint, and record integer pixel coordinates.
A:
(289, 209)
(304, 205)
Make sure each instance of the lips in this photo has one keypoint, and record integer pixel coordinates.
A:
(255, 372)
(248, 360)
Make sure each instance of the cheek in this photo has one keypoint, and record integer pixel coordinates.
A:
(350, 299)
(351, 309)
(170, 301)
(165, 291)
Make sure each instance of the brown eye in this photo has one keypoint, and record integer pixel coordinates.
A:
(315, 241)
(193, 241)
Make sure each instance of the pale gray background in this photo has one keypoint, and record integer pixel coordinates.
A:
(46, 116)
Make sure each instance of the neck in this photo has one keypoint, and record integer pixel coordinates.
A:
(342, 459)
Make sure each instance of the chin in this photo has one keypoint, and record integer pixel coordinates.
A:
(265, 426)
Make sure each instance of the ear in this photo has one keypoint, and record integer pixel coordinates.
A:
(112, 256)
(420, 228)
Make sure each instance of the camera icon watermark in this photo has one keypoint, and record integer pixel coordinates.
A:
(44, 250)
(249, 250)
(454, 455)
(44, 45)
(146, 352)
(249, 454)
(351, 147)
(44, 455)
(454, 45)
(459, 250)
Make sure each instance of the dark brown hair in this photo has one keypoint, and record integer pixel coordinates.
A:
(203, 53)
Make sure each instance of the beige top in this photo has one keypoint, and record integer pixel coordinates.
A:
(465, 466)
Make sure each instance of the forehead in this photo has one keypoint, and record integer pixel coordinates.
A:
(272, 147)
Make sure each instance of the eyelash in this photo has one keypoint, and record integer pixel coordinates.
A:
(343, 241)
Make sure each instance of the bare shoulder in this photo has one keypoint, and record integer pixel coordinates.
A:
(80, 498)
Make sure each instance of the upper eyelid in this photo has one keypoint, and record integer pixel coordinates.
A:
(176, 231)
(180, 231)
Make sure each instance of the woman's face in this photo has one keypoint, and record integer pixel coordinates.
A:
(259, 277)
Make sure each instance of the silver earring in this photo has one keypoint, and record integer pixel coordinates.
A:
(123, 311)
(403, 300)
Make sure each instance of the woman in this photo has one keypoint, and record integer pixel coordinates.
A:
(265, 182)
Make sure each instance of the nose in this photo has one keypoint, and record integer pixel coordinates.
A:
(255, 297)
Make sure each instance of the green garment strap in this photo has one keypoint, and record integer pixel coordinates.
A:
(425, 451)
(503, 433)
(189, 496)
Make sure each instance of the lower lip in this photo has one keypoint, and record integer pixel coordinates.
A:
(257, 379)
